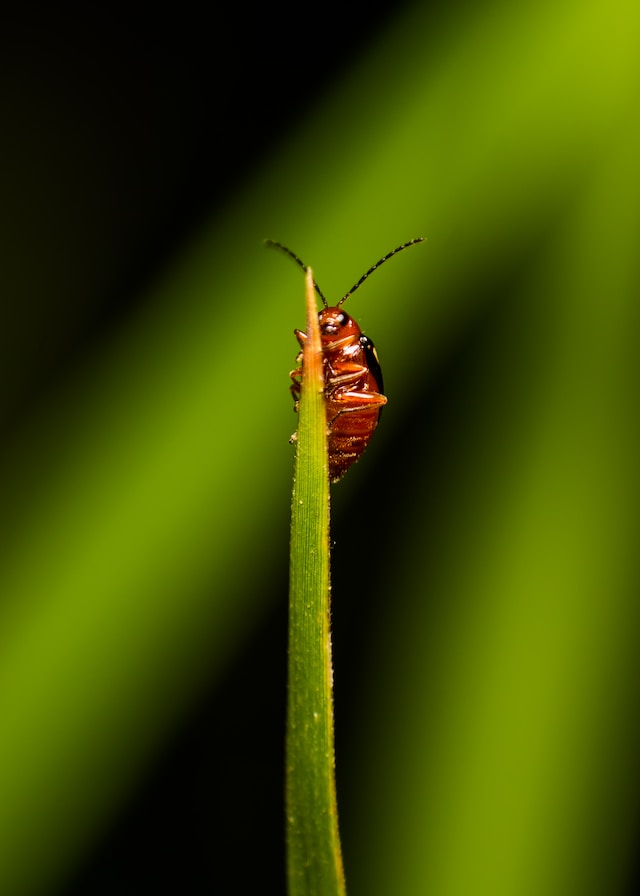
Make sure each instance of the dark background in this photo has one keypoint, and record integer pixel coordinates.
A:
(124, 130)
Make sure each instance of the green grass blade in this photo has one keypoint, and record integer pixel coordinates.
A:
(314, 860)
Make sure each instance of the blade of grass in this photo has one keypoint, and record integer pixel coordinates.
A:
(314, 859)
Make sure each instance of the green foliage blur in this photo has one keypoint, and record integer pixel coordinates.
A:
(485, 574)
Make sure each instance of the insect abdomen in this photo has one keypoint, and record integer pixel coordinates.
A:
(349, 435)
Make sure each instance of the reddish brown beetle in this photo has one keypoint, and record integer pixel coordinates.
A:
(352, 375)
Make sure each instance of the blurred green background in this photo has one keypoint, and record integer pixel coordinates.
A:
(485, 565)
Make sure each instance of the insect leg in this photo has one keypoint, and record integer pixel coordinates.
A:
(354, 402)
(345, 372)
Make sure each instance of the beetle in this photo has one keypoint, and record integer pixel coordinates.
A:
(353, 385)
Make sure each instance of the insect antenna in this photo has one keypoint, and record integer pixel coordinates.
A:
(300, 263)
(418, 239)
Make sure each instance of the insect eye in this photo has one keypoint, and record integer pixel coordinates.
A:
(332, 321)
